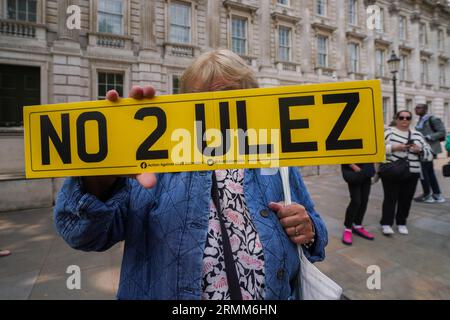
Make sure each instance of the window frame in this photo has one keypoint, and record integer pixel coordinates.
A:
(324, 7)
(424, 72)
(423, 34)
(403, 67)
(37, 13)
(403, 35)
(103, 66)
(319, 53)
(122, 15)
(290, 47)
(107, 73)
(380, 63)
(358, 56)
(93, 17)
(287, 4)
(169, 23)
(245, 19)
(442, 74)
(440, 40)
(380, 21)
(355, 13)
(172, 77)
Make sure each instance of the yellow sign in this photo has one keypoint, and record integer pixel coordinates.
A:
(300, 125)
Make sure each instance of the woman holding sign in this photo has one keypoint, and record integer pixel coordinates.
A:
(197, 235)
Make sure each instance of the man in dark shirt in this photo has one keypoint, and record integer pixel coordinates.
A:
(433, 130)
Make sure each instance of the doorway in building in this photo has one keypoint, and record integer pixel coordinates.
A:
(19, 86)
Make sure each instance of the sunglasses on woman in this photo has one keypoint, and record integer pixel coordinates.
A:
(404, 118)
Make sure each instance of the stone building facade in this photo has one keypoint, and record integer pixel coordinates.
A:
(48, 55)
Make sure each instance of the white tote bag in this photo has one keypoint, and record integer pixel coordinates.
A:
(313, 284)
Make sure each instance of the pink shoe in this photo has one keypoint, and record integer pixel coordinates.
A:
(363, 233)
(4, 253)
(347, 238)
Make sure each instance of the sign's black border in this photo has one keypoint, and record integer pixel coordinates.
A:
(213, 99)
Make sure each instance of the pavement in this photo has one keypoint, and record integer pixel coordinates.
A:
(416, 266)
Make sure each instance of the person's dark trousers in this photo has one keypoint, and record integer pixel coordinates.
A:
(397, 199)
(359, 197)
(429, 179)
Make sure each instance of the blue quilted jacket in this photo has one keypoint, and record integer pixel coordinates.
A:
(165, 231)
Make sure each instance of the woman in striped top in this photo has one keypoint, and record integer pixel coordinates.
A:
(399, 194)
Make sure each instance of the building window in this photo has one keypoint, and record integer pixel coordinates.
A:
(322, 51)
(379, 21)
(403, 67)
(19, 86)
(424, 71)
(423, 38)
(321, 7)
(379, 60)
(109, 81)
(402, 27)
(175, 84)
(283, 2)
(442, 71)
(353, 12)
(284, 43)
(386, 108)
(409, 104)
(440, 38)
(180, 22)
(110, 16)
(23, 10)
(354, 57)
(239, 35)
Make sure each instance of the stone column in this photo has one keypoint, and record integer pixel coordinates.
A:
(341, 39)
(147, 13)
(64, 33)
(265, 21)
(213, 24)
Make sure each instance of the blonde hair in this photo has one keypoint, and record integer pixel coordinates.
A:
(217, 70)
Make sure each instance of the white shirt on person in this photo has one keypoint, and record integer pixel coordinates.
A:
(394, 136)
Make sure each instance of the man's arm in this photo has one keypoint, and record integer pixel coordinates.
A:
(438, 127)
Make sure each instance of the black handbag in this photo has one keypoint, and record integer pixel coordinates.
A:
(397, 170)
(446, 170)
(352, 177)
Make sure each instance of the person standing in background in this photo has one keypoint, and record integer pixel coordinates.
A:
(402, 143)
(433, 130)
(359, 179)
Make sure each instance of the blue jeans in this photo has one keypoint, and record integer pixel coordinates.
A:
(429, 179)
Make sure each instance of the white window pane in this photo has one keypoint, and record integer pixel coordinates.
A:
(353, 12)
(284, 43)
(239, 35)
(102, 5)
(180, 17)
(110, 16)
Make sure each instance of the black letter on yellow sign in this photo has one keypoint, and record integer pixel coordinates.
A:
(102, 137)
(286, 124)
(244, 147)
(143, 153)
(62, 146)
(352, 101)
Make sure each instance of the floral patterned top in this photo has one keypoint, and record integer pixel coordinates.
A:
(245, 243)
